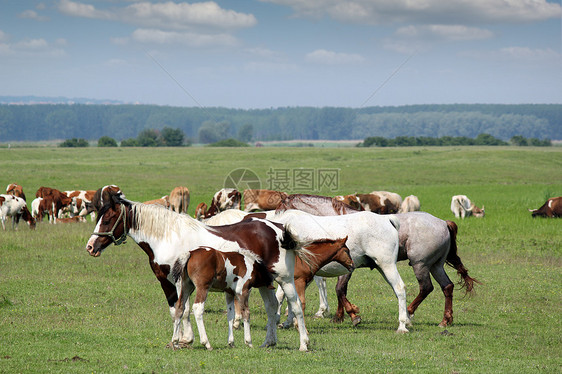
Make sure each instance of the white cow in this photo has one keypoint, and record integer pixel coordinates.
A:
(462, 207)
(15, 207)
(410, 204)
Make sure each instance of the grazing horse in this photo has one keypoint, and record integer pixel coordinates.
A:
(234, 273)
(167, 237)
(323, 252)
(15, 207)
(428, 243)
(179, 199)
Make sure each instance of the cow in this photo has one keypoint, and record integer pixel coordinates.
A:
(163, 201)
(226, 198)
(16, 190)
(55, 201)
(15, 207)
(391, 201)
(39, 208)
(462, 207)
(179, 199)
(410, 204)
(74, 219)
(81, 202)
(351, 200)
(552, 208)
(257, 199)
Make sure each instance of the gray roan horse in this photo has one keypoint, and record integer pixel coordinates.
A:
(426, 241)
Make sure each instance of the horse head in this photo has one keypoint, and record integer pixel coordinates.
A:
(111, 226)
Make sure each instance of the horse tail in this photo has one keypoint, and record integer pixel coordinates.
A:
(394, 221)
(454, 260)
(292, 242)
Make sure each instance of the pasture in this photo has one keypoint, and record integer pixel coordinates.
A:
(64, 311)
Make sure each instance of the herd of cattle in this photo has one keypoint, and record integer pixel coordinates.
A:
(74, 206)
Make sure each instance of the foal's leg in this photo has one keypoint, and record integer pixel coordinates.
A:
(230, 314)
(178, 311)
(343, 303)
(324, 308)
(198, 309)
(390, 273)
(243, 297)
(422, 274)
(270, 303)
(447, 287)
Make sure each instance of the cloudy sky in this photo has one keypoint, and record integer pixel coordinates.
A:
(277, 53)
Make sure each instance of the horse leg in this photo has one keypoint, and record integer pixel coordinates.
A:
(246, 316)
(300, 287)
(230, 313)
(447, 287)
(324, 308)
(270, 303)
(280, 295)
(422, 274)
(198, 309)
(237, 314)
(288, 286)
(389, 271)
(343, 302)
(181, 319)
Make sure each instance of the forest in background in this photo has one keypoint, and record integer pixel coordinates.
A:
(39, 122)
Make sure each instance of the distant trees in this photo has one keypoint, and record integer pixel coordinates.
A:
(230, 142)
(209, 125)
(71, 143)
(106, 141)
(168, 137)
(481, 139)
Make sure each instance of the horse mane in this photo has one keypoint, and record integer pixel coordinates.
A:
(158, 222)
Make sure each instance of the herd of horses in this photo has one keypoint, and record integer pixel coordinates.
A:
(306, 237)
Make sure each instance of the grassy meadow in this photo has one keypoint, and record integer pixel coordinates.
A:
(64, 311)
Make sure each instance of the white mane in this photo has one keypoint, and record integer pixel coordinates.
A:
(158, 222)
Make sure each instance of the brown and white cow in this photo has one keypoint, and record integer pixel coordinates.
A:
(462, 207)
(552, 208)
(81, 202)
(15, 190)
(54, 200)
(15, 207)
(261, 199)
(351, 200)
(410, 204)
(226, 198)
(381, 202)
(163, 201)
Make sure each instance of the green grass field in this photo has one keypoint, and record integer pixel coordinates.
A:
(64, 311)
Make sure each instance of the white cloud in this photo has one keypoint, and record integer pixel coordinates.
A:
(517, 54)
(166, 16)
(186, 38)
(31, 14)
(322, 56)
(30, 47)
(426, 12)
(443, 32)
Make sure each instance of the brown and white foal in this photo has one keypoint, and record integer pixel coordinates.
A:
(233, 272)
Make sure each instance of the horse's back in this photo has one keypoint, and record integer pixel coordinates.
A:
(423, 236)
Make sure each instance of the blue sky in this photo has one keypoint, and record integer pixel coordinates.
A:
(276, 53)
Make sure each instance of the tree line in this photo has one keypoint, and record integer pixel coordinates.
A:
(125, 123)
(481, 139)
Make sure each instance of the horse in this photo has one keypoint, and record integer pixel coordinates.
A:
(166, 237)
(428, 243)
(323, 251)
(372, 241)
(306, 202)
(15, 207)
(235, 273)
(179, 199)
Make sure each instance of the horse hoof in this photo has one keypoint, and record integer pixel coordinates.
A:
(185, 344)
(267, 345)
(402, 330)
(337, 319)
(303, 348)
(209, 348)
(356, 321)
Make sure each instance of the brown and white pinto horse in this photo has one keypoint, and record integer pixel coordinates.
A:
(167, 237)
(234, 273)
(15, 207)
